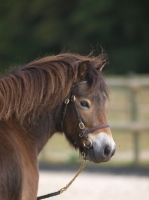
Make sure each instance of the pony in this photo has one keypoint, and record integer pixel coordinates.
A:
(63, 93)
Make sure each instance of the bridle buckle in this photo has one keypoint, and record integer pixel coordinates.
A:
(81, 125)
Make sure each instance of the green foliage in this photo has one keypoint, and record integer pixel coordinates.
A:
(31, 29)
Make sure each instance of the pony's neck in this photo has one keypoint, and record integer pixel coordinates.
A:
(22, 136)
(33, 138)
(43, 127)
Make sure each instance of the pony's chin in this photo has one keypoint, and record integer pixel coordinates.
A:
(90, 156)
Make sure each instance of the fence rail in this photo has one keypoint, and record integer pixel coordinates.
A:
(134, 85)
(132, 126)
(129, 82)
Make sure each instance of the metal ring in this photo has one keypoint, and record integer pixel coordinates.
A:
(81, 135)
(81, 125)
(66, 101)
(73, 98)
(90, 144)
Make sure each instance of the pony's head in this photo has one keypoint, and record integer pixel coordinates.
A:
(84, 122)
(33, 95)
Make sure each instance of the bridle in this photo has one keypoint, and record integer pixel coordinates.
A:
(87, 143)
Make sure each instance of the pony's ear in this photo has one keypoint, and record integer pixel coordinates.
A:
(101, 65)
(83, 68)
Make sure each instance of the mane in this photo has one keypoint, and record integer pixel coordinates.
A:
(28, 91)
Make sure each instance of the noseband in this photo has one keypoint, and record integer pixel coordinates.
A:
(87, 143)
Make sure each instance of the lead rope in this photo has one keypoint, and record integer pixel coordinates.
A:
(67, 186)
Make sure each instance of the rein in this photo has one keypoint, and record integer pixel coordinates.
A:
(66, 187)
(87, 143)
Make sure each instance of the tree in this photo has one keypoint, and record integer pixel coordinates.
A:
(31, 29)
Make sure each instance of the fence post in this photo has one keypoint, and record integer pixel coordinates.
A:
(134, 117)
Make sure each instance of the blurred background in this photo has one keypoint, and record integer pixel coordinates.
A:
(30, 29)
(35, 28)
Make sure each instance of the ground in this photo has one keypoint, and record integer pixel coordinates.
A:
(96, 183)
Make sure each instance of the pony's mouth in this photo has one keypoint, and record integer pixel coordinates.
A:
(91, 156)
(98, 149)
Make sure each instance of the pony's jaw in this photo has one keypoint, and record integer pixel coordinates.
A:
(103, 148)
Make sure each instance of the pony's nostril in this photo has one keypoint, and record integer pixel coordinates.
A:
(106, 151)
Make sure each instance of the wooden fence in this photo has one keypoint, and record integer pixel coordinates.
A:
(134, 85)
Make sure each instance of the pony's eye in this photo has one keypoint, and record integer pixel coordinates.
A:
(84, 104)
